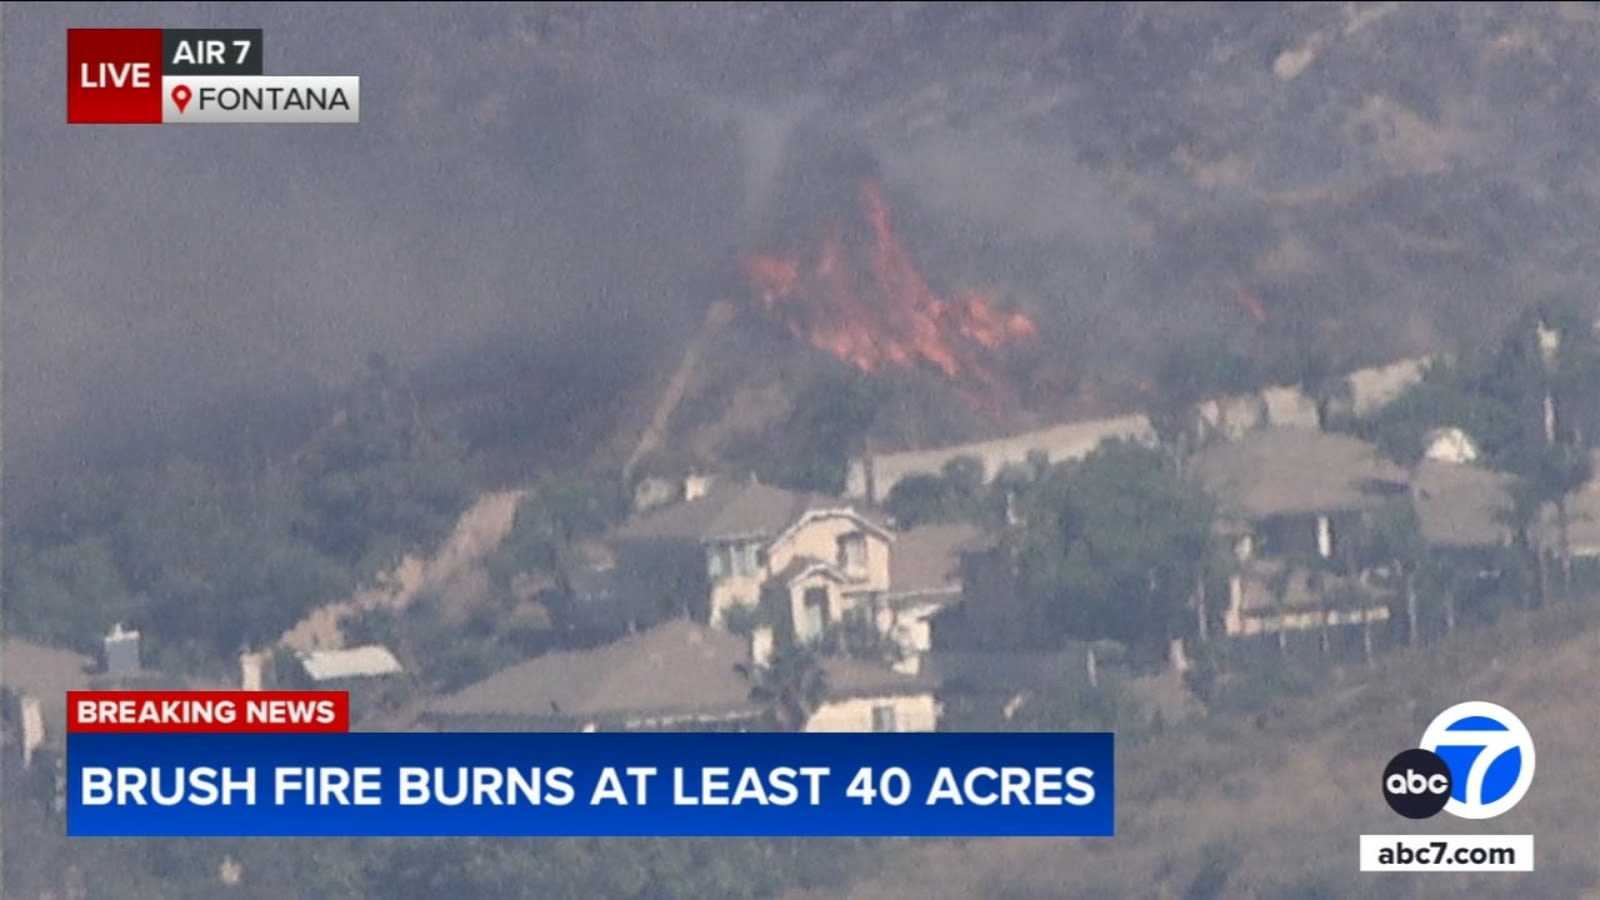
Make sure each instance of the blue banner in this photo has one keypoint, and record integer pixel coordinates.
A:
(590, 785)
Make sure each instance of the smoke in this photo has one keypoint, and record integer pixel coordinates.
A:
(482, 203)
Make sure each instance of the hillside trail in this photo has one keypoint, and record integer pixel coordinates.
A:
(481, 529)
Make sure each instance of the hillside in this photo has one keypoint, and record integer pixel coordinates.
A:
(1279, 802)
(564, 188)
(1375, 179)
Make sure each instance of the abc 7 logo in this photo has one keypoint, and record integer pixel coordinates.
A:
(1493, 757)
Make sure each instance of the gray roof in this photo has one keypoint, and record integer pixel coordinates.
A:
(675, 668)
(1461, 505)
(46, 673)
(748, 509)
(856, 678)
(733, 510)
(928, 559)
(1288, 471)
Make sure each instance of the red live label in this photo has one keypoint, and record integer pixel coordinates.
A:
(114, 76)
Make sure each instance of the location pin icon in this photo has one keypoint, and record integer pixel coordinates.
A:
(180, 96)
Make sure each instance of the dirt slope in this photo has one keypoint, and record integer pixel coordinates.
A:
(1291, 799)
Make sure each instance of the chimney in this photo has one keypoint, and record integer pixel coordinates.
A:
(251, 666)
(761, 645)
(695, 486)
(1177, 657)
(122, 652)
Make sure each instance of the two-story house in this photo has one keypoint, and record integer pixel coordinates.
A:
(736, 549)
(1292, 502)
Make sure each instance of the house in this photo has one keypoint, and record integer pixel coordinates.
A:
(925, 577)
(677, 676)
(1292, 499)
(36, 678)
(36, 681)
(746, 549)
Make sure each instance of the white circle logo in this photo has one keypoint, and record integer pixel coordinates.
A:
(1490, 755)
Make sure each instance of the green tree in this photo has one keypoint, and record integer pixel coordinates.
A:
(67, 594)
(218, 563)
(956, 494)
(550, 520)
(379, 481)
(1548, 477)
(790, 686)
(1321, 381)
(827, 426)
(1111, 548)
(1394, 539)
(1192, 373)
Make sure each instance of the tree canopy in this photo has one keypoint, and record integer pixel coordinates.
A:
(1110, 548)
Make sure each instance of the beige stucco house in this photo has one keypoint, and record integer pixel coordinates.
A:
(806, 562)
(1290, 501)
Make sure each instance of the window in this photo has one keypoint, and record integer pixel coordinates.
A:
(816, 614)
(718, 563)
(853, 554)
(883, 718)
(747, 560)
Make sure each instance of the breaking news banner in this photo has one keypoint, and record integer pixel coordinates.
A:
(194, 76)
(279, 764)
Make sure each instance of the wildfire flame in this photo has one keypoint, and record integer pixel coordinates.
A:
(868, 305)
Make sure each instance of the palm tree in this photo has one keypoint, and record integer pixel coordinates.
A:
(790, 686)
(1553, 476)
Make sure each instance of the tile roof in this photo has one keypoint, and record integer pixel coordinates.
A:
(676, 668)
(856, 678)
(1460, 505)
(928, 558)
(46, 673)
(728, 510)
(1292, 470)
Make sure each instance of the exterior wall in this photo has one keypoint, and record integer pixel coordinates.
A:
(1237, 623)
(733, 591)
(909, 625)
(912, 712)
(1370, 389)
(819, 538)
(1062, 442)
(1309, 620)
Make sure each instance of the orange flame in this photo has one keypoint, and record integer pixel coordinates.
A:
(871, 307)
(1252, 305)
